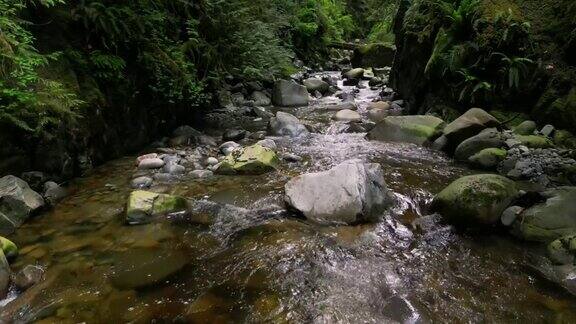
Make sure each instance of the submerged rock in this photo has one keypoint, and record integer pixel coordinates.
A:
(475, 200)
(351, 192)
(411, 129)
(137, 268)
(17, 203)
(285, 124)
(289, 94)
(551, 219)
(144, 205)
(29, 276)
(254, 159)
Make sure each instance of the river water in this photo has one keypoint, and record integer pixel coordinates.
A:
(272, 267)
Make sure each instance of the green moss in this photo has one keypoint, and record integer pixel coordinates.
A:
(8, 247)
(534, 141)
(565, 139)
(254, 159)
(477, 199)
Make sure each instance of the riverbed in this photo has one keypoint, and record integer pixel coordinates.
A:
(408, 267)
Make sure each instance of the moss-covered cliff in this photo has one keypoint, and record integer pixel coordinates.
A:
(512, 55)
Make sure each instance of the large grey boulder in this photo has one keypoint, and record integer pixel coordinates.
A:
(475, 200)
(488, 138)
(314, 84)
(549, 220)
(17, 203)
(285, 124)
(410, 129)
(350, 192)
(469, 124)
(289, 94)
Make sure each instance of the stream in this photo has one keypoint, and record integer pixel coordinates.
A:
(408, 267)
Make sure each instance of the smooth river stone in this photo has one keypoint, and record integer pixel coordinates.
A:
(138, 268)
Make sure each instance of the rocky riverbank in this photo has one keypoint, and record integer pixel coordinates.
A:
(312, 200)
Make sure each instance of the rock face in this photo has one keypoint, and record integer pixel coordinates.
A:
(285, 124)
(488, 138)
(551, 219)
(144, 205)
(469, 124)
(411, 129)
(254, 159)
(351, 192)
(475, 200)
(314, 84)
(17, 203)
(374, 55)
(289, 94)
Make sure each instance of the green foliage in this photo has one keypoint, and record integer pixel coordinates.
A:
(475, 54)
(28, 101)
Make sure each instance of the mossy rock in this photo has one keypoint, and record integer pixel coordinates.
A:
(535, 141)
(374, 55)
(527, 127)
(564, 139)
(475, 200)
(417, 129)
(144, 205)
(563, 250)
(551, 219)
(488, 159)
(8, 247)
(254, 160)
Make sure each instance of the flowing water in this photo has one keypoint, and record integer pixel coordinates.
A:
(272, 267)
